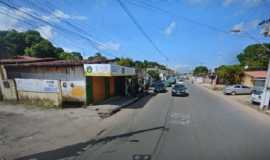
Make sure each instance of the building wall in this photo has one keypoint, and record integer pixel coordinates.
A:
(248, 81)
(73, 91)
(39, 98)
(39, 92)
(72, 73)
(8, 89)
(259, 83)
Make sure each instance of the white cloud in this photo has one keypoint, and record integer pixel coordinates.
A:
(11, 18)
(46, 31)
(113, 46)
(170, 28)
(58, 15)
(249, 3)
(67, 49)
(245, 26)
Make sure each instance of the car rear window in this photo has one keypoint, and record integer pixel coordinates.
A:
(257, 92)
(179, 86)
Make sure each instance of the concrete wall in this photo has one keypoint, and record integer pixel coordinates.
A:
(39, 92)
(72, 73)
(41, 99)
(247, 81)
(8, 89)
(73, 91)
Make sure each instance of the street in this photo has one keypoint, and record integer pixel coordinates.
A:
(201, 126)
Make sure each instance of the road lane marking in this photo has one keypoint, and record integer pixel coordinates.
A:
(180, 118)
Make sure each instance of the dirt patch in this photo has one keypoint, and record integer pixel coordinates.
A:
(25, 131)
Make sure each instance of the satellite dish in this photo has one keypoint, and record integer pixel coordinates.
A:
(246, 67)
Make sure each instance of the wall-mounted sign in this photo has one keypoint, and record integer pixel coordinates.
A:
(37, 85)
(107, 70)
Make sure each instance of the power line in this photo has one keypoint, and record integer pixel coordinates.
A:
(140, 28)
(92, 42)
(51, 9)
(30, 24)
(146, 4)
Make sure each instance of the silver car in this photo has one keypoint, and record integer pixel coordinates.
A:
(237, 89)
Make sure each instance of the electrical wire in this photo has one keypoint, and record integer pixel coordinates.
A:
(148, 5)
(140, 28)
(35, 17)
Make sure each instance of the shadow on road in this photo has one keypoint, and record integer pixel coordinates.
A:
(74, 151)
(142, 102)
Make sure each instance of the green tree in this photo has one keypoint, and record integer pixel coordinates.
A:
(125, 62)
(229, 74)
(58, 50)
(255, 57)
(200, 71)
(70, 56)
(32, 37)
(97, 57)
(77, 55)
(154, 74)
(13, 43)
(42, 49)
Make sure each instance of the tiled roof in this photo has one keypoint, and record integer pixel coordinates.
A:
(58, 63)
(24, 59)
(257, 74)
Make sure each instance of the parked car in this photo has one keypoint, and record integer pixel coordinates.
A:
(180, 82)
(167, 83)
(237, 89)
(256, 96)
(179, 90)
(159, 88)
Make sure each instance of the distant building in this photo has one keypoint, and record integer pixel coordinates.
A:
(254, 79)
(163, 74)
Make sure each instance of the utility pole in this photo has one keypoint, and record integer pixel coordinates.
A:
(266, 91)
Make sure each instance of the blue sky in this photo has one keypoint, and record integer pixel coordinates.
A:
(184, 35)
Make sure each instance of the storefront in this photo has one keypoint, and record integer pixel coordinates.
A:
(107, 80)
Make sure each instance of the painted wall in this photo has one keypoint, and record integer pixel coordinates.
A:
(8, 89)
(39, 92)
(248, 81)
(41, 99)
(73, 91)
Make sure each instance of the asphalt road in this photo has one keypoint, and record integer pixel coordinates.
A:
(200, 126)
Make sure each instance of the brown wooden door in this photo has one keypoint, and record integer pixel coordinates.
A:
(98, 89)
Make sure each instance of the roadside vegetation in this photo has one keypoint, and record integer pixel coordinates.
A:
(253, 57)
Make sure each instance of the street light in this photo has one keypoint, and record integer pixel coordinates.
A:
(266, 90)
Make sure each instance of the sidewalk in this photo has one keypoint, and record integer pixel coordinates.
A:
(241, 99)
(114, 104)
